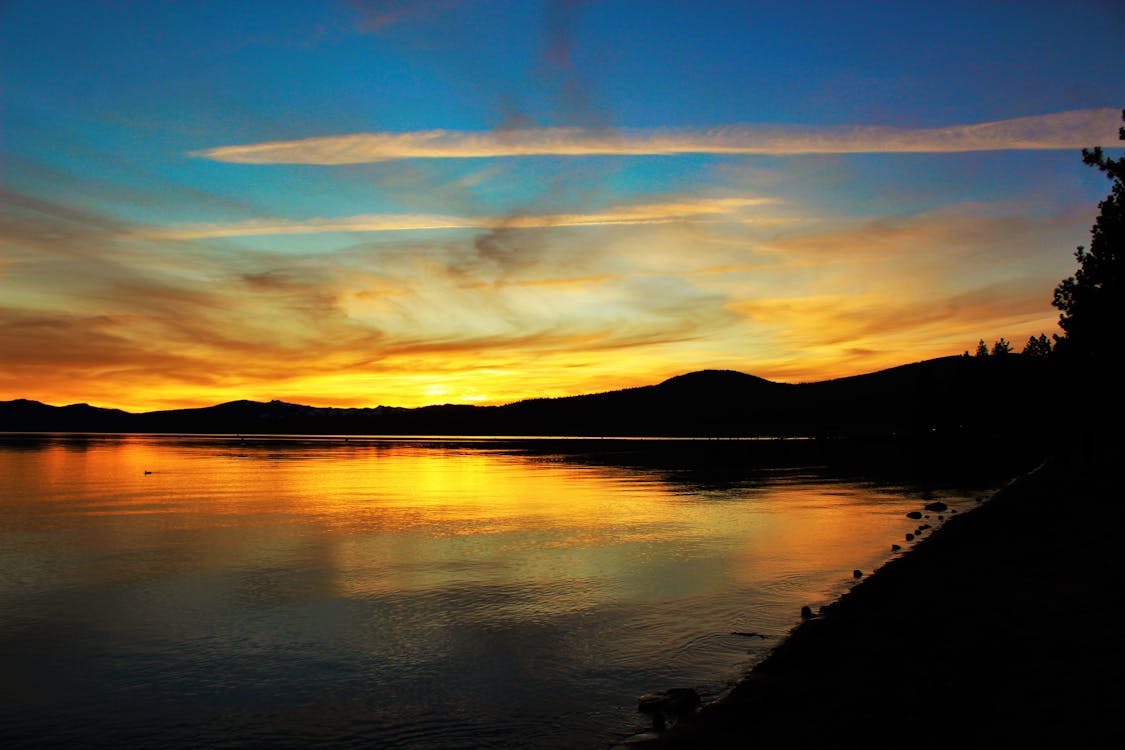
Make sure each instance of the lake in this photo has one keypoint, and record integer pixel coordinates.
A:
(176, 592)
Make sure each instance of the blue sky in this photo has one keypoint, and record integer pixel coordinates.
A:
(205, 201)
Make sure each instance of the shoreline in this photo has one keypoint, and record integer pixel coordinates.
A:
(992, 630)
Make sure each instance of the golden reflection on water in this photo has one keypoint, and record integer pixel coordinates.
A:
(387, 505)
(410, 567)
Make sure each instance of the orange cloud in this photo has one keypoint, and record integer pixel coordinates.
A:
(836, 335)
(1063, 130)
(656, 213)
(96, 311)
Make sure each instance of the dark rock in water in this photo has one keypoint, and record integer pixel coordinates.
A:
(952, 511)
(915, 514)
(675, 704)
(806, 612)
(857, 573)
(941, 518)
(653, 705)
(749, 635)
(937, 507)
(927, 516)
(910, 537)
(896, 547)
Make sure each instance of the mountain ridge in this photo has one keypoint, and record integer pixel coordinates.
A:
(947, 393)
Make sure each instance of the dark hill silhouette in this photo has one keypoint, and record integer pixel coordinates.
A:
(948, 396)
(708, 402)
(729, 380)
(25, 415)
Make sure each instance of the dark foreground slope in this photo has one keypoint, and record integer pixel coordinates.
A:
(998, 631)
(946, 396)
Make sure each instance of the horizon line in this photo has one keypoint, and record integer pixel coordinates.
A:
(507, 403)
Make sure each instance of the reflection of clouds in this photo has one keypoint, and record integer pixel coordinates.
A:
(322, 582)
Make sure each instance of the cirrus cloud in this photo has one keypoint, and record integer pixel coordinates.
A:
(1062, 130)
(654, 213)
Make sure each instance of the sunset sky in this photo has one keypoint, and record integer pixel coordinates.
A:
(405, 203)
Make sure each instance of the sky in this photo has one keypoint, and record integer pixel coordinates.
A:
(439, 201)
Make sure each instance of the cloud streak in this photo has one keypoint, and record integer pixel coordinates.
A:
(654, 213)
(1063, 130)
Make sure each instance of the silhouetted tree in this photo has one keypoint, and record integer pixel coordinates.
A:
(1040, 347)
(1001, 347)
(1090, 301)
(982, 348)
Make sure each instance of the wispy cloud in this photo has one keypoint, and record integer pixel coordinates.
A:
(1063, 130)
(1007, 232)
(833, 335)
(654, 213)
(378, 15)
(93, 310)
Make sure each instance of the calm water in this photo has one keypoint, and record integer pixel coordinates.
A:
(395, 594)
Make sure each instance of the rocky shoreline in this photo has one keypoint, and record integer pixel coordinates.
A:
(993, 631)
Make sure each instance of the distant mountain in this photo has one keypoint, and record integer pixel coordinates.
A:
(947, 395)
(23, 415)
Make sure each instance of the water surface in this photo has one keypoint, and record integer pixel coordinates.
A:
(396, 593)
